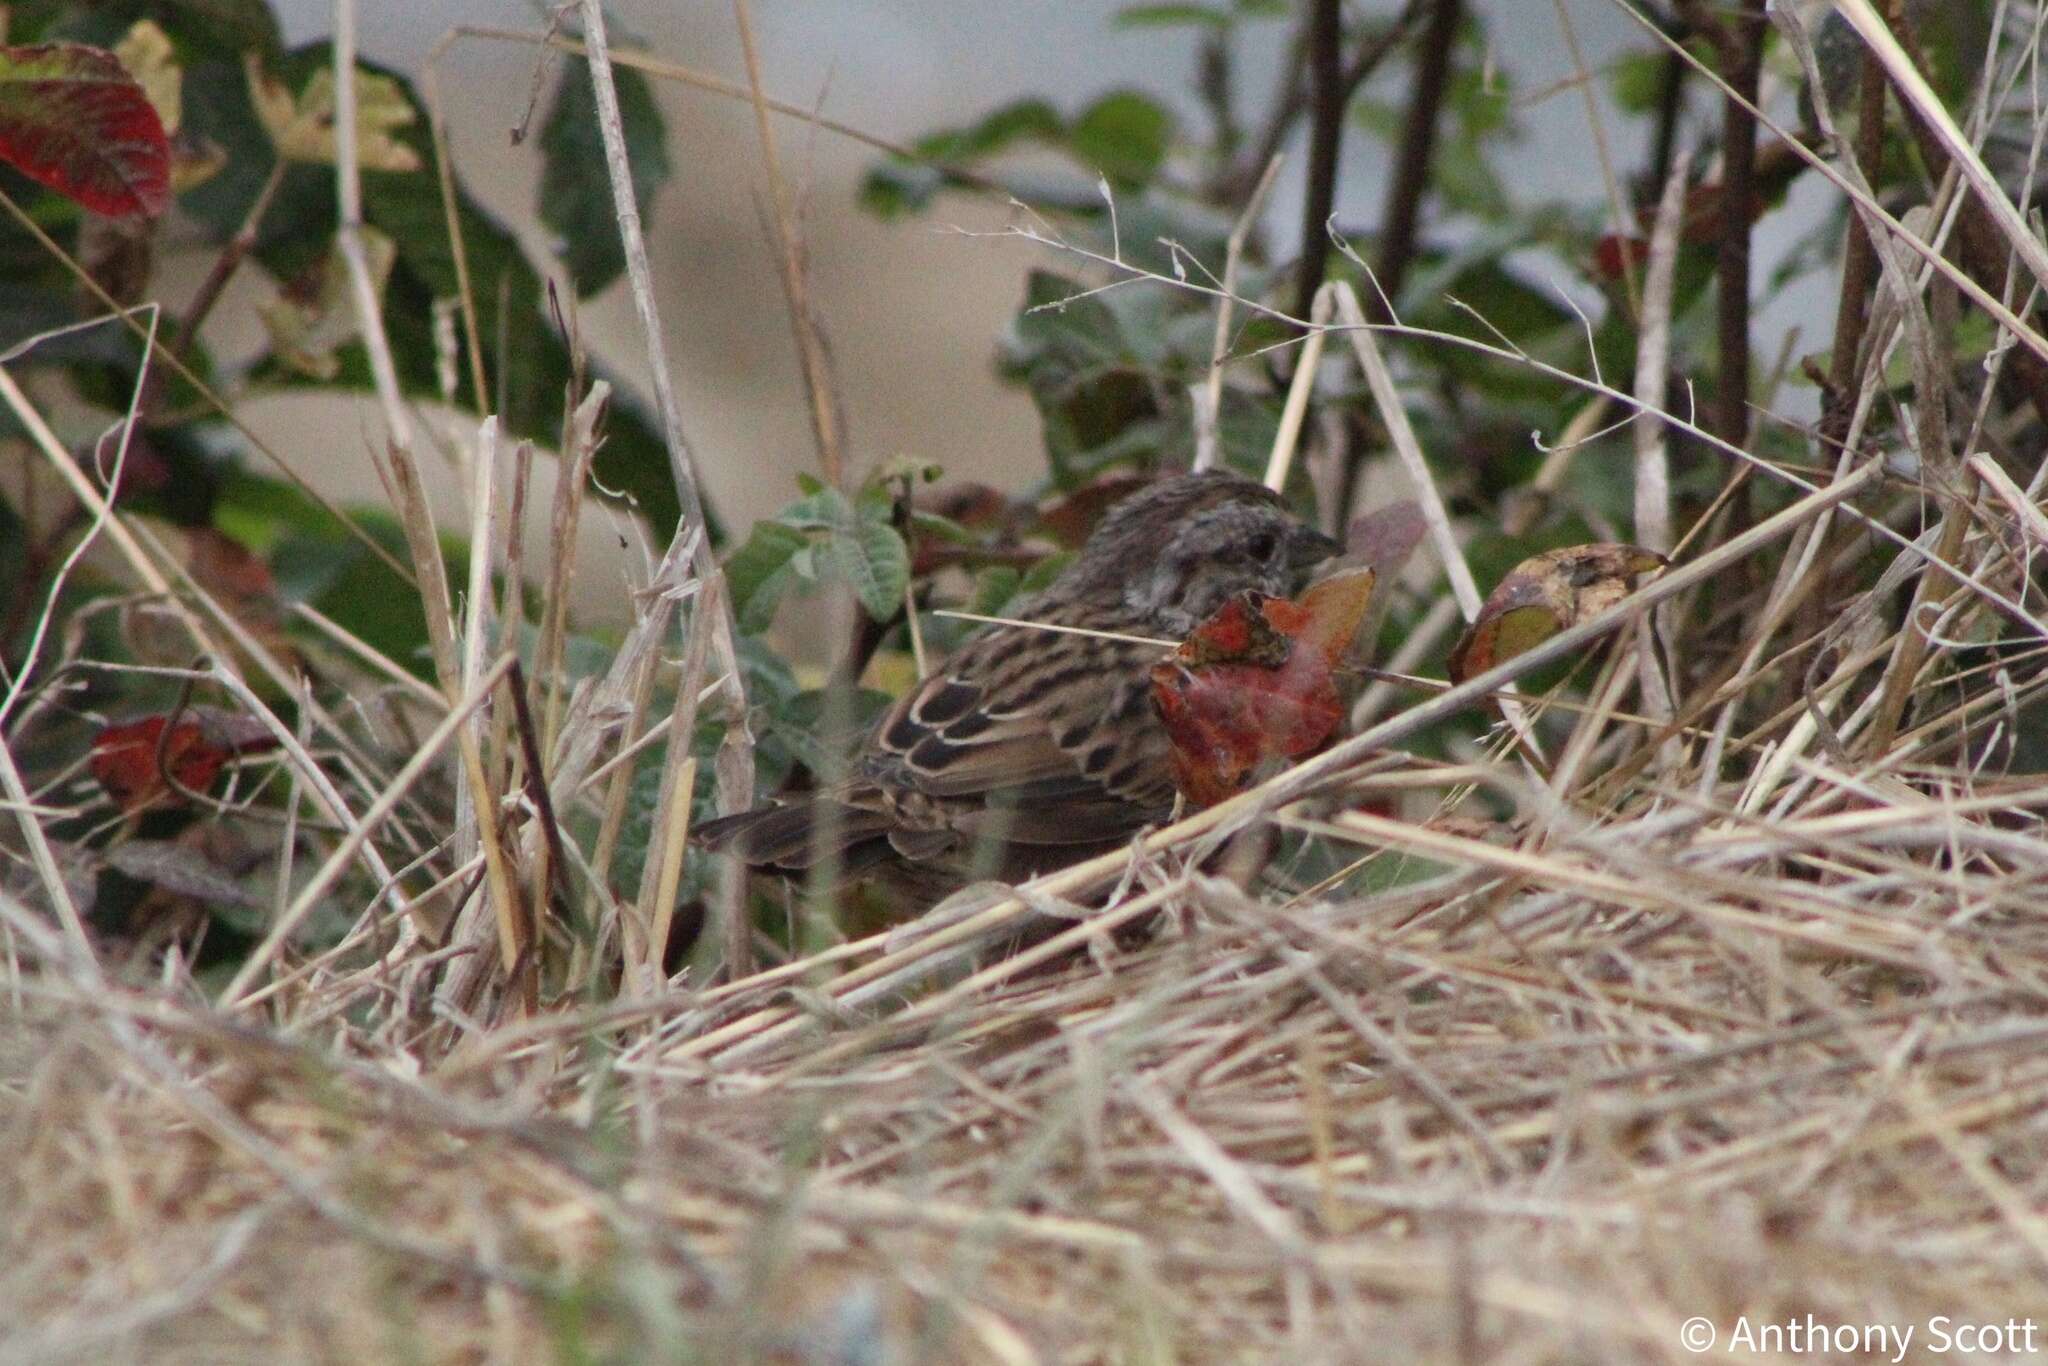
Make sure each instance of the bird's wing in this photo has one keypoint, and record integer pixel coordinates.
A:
(1047, 731)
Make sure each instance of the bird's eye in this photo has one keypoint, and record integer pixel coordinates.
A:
(1263, 545)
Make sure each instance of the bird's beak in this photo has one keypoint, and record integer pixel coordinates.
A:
(1309, 548)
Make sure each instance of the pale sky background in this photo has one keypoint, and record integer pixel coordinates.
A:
(913, 309)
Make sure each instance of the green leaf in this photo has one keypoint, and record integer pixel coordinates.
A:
(769, 682)
(894, 189)
(527, 372)
(1060, 326)
(826, 509)
(874, 500)
(575, 186)
(1097, 399)
(346, 582)
(1476, 276)
(1246, 427)
(1171, 16)
(1638, 80)
(13, 549)
(228, 27)
(994, 588)
(636, 829)
(1483, 97)
(1124, 135)
(897, 186)
(932, 525)
(759, 572)
(1460, 174)
(871, 556)
(909, 470)
(1044, 572)
(995, 132)
(819, 729)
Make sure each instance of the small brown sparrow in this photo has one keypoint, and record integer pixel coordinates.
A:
(1031, 748)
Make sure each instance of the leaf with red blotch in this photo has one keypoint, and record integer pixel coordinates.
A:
(1778, 163)
(125, 759)
(72, 118)
(1070, 519)
(125, 756)
(1546, 594)
(1615, 254)
(1252, 689)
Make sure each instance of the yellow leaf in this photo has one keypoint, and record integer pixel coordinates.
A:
(1545, 594)
(1336, 609)
(314, 316)
(146, 52)
(302, 127)
(194, 161)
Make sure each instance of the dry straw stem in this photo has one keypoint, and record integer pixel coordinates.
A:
(644, 62)
(515, 928)
(1913, 87)
(579, 451)
(1409, 450)
(1209, 405)
(669, 826)
(794, 270)
(349, 230)
(331, 872)
(1617, 204)
(102, 511)
(735, 766)
(1287, 435)
(44, 860)
(444, 171)
(1653, 366)
(1653, 464)
(476, 618)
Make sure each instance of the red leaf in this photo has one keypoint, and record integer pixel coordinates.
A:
(1069, 520)
(1252, 689)
(125, 758)
(1382, 540)
(72, 118)
(1615, 254)
(966, 502)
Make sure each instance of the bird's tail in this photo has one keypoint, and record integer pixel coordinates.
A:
(798, 836)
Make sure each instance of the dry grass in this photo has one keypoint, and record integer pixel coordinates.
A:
(1736, 1016)
(1680, 1065)
(1659, 1045)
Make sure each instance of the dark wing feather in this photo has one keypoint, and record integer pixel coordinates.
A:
(1033, 737)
